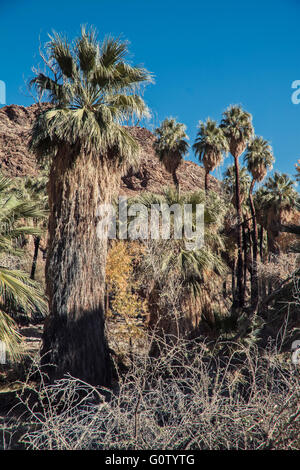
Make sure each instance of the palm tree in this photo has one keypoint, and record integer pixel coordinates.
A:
(237, 127)
(171, 145)
(278, 201)
(18, 291)
(34, 189)
(229, 182)
(93, 90)
(210, 146)
(193, 269)
(259, 159)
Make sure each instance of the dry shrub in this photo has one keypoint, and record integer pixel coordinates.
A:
(278, 268)
(187, 399)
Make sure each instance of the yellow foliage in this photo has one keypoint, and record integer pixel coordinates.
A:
(122, 287)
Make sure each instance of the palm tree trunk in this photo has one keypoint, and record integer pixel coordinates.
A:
(245, 250)
(240, 236)
(176, 181)
(74, 338)
(233, 286)
(35, 256)
(261, 251)
(254, 279)
(206, 182)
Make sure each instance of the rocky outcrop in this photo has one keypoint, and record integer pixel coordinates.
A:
(16, 159)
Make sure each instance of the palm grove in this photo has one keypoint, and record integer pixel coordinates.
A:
(92, 91)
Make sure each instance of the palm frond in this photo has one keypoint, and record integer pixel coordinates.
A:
(210, 144)
(94, 91)
(259, 158)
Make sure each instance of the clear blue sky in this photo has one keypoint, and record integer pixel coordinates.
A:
(205, 56)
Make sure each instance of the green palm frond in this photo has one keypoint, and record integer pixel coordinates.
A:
(171, 143)
(238, 129)
(210, 145)
(259, 158)
(278, 194)
(280, 191)
(191, 264)
(10, 336)
(94, 91)
(17, 291)
(60, 52)
(88, 50)
(171, 137)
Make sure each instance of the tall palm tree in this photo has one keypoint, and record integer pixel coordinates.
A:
(93, 90)
(17, 291)
(230, 188)
(237, 127)
(259, 159)
(171, 145)
(210, 145)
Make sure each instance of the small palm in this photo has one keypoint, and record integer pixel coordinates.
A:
(210, 145)
(171, 145)
(237, 127)
(259, 158)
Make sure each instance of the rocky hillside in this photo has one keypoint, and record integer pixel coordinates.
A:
(17, 160)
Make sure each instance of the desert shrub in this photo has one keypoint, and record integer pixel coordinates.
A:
(278, 268)
(189, 398)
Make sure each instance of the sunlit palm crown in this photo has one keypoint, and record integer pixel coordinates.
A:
(210, 144)
(93, 90)
(171, 143)
(275, 199)
(237, 127)
(280, 192)
(259, 158)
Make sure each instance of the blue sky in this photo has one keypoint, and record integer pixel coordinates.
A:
(204, 55)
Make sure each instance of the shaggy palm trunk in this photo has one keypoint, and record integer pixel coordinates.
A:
(254, 279)
(74, 337)
(35, 256)
(240, 235)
